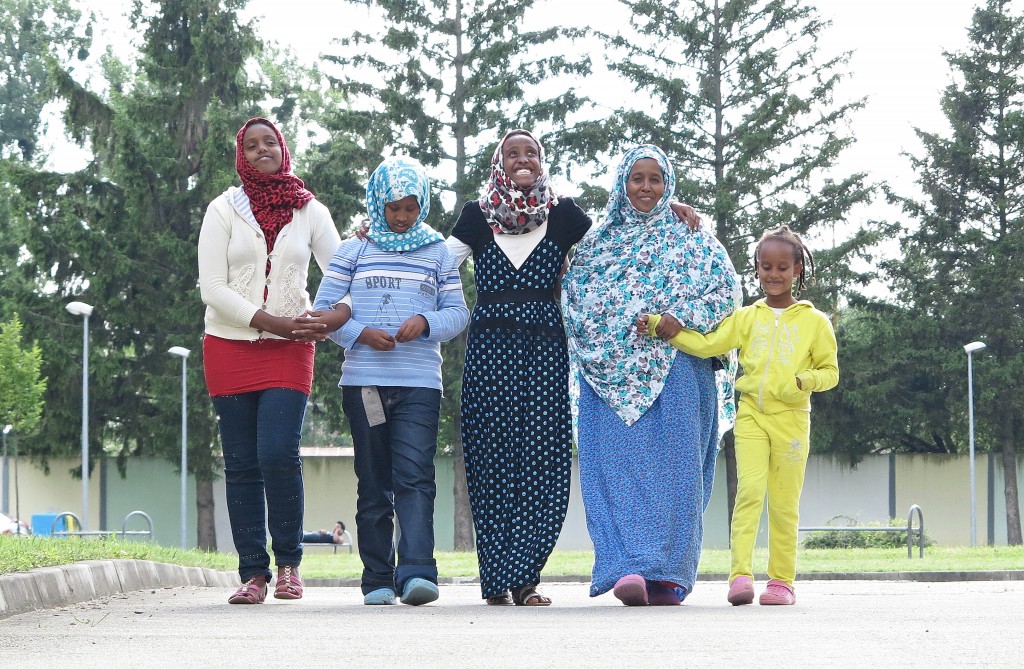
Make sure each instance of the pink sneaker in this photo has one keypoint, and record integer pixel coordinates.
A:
(631, 590)
(741, 591)
(777, 593)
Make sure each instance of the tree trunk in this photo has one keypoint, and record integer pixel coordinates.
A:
(1013, 534)
(463, 515)
(729, 449)
(206, 529)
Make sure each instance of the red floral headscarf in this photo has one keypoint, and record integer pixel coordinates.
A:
(272, 197)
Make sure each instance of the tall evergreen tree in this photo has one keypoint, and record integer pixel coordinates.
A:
(963, 267)
(122, 234)
(442, 81)
(739, 94)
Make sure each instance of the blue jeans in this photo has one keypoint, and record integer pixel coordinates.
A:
(259, 433)
(394, 464)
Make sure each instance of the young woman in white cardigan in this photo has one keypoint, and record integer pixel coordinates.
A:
(254, 251)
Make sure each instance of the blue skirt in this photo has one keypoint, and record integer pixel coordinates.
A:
(645, 486)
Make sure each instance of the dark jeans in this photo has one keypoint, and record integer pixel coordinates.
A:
(259, 433)
(394, 464)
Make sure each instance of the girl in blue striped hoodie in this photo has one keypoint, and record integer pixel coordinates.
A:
(406, 299)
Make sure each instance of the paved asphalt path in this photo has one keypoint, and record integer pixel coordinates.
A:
(835, 623)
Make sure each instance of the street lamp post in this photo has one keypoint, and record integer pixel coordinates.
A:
(6, 493)
(970, 349)
(84, 310)
(182, 353)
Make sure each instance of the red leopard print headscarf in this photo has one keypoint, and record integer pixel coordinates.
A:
(272, 197)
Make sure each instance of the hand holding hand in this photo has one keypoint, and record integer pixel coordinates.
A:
(668, 326)
(411, 329)
(316, 325)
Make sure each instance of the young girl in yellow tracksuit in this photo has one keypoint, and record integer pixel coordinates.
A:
(787, 351)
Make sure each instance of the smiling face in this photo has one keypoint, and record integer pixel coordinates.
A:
(401, 215)
(645, 185)
(520, 158)
(262, 149)
(777, 268)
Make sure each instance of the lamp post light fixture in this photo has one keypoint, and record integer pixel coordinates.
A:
(971, 348)
(84, 310)
(182, 353)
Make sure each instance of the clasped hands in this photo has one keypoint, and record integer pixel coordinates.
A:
(668, 326)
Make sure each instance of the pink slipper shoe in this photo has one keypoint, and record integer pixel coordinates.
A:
(741, 591)
(777, 593)
(631, 590)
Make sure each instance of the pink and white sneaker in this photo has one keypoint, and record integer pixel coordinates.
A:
(777, 593)
(741, 591)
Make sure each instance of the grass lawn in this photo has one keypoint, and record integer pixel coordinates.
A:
(22, 554)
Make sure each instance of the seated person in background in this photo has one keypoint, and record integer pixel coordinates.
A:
(325, 537)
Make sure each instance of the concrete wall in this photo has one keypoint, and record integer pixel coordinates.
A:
(939, 484)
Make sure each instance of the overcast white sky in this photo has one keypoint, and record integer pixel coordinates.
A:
(897, 61)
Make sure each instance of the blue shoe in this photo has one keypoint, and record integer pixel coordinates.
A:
(380, 596)
(419, 591)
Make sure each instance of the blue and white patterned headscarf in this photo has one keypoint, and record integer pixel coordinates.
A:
(636, 263)
(394, 179)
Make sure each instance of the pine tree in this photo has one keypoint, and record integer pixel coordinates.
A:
(962, 267)
(122, 234)
(442, 82)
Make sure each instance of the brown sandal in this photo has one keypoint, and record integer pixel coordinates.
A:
(527, 595)
(504, 599)
(253, 591)
(289, 585)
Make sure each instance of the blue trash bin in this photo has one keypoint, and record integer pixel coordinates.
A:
(42, 524)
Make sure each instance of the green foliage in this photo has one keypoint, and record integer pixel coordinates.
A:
(961, 276)
(33, 33)
(121, 234)
(21, 388)
(962, 266)
(832, 539)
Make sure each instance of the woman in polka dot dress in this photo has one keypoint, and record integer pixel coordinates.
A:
(648, 414)
(516, 425)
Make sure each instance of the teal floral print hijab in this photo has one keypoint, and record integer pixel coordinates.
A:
(636, 263)
(394, 179)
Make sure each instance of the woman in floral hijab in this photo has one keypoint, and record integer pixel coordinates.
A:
(648, 414)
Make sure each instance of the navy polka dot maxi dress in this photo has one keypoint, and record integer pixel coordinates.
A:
(516, 421)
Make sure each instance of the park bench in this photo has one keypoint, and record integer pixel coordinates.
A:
(908, 528)
(124, 533)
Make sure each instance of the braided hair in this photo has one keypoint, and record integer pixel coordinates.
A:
(801, 253)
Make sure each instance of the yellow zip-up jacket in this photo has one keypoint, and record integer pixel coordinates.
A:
(775, 351)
